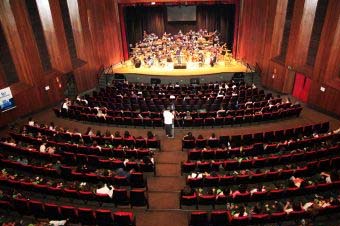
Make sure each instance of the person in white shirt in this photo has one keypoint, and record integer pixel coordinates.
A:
(57, 222)
(100, 112)
(30, 122)
(106, 190)
(66, 104)
(168, 119)
(42, 148)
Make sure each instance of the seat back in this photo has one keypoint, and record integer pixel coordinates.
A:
(86, 216)
(69, 212)
(52, 211)
(123, 218)
(120, 196)
(199, 218)
(104, 217)
(219, 218)
(36, 208)
(137, 197)
(20, 205)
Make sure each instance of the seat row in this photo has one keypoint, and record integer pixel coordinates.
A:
(224, 218)
(263, 148)
(71, 158)
(182, 90)
(209, 102)
(114, 141)
(226, 180)
(179, 122)
(117, 107)
(74, 214)
(67, 172)
(238, 85)
(248, 139)
(256, 150)
(260, 162)
(212, 200)
(120, 196)
(148, 107)
(82, 149)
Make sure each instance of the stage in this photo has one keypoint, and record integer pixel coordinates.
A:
(168, 71)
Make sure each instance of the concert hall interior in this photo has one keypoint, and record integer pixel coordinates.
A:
(170, 112)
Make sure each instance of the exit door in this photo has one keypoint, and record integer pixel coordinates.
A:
(301, 87)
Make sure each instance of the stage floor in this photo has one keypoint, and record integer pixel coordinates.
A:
(128, 68)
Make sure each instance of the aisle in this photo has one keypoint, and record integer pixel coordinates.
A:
(164, 188)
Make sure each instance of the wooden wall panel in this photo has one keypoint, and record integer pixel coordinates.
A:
(96, 31)
(55, 39)
(23, 66)
(326, 69)
(300, 35)
(64, 56)
(2, 78)
(27, 37)
(252, 31)
(87, 79)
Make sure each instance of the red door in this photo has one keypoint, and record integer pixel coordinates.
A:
(301, 87)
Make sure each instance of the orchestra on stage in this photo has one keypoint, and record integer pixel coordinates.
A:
(192, 50)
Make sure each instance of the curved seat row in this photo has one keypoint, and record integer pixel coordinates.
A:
(120, 196)
(178, 88)
(224, 218)
(260, 162)
(248, 139)
(71, 158)
(120, 153)
(210, 102)
(196, 200)
(262, 148)
(67, 172)
(179, 122)
(87, 150)
(252, 151)
(139, 142)
(74, 214)
(226, 180)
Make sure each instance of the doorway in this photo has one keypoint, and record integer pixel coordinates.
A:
(301, 87)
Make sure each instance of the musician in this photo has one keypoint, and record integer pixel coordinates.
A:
(169, 59)
(213, 60)
(183, 47)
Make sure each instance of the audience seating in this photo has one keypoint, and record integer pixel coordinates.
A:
(224, 218)
(115, 141)
(260, 162)
(125, 108)
(121, 196)
(251, 139)
(83, 215)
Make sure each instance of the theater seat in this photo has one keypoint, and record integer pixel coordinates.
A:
(86, 216)
(219, 218)
(123, 219)
(104, 217)
(199, 218)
